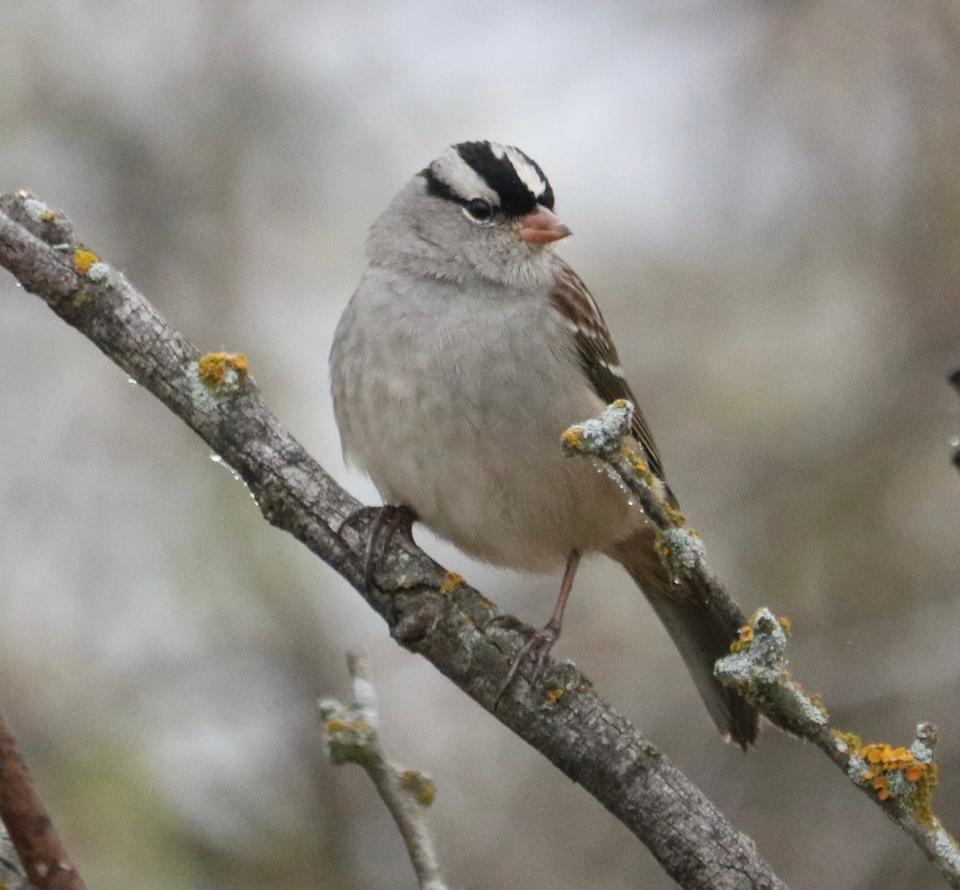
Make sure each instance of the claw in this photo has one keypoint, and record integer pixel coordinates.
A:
(354, 517)
(537, 648)
(387, 521)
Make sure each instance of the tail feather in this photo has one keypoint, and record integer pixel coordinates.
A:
(701, 633)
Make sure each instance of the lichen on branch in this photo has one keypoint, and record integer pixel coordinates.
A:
(756, 667)
(900, 780)
(352, 735)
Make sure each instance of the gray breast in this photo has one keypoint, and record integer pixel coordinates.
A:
(455, 407)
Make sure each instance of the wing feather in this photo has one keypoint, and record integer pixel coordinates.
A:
(598, 355)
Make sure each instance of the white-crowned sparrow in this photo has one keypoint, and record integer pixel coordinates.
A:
(467, 349)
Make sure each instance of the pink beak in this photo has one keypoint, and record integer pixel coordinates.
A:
(541, 227)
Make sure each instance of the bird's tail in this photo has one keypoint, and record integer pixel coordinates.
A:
(701, 631)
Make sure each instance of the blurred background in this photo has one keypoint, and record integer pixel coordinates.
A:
(766, 200)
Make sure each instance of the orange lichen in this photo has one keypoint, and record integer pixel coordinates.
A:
(641, 467)
(888, 763)
(744, 638)
(212, 367)
(637, 462)
(451, 581)
(423, 789)
(83, 260)
(921, 804)
(677, 518)
(334, 724)
(785, 625)
(573, 438)
(554, 695)
(888, 756)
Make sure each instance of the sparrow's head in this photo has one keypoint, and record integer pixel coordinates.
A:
(480, 209)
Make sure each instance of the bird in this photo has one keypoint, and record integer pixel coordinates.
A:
(466, 350)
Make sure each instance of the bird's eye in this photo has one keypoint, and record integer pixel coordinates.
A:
(479, 210)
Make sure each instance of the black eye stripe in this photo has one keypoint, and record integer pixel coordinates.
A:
(436, 186)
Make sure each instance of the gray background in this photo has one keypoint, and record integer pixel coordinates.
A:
(766, 200)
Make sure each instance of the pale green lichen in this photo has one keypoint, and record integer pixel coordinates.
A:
(600, 436)
(349, 736)
(450, 582)
(37, 210)
(757, 669)
(679, 550)
(605, 440)
(100, 272)
(846, 742)
(946, 847)
(89, 266)
(857, 768)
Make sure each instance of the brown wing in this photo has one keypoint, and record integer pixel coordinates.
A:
(598, 355)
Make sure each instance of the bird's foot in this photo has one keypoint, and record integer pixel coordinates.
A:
(386, 521)
(537, 648)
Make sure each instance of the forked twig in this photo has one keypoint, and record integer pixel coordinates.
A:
(353, 736)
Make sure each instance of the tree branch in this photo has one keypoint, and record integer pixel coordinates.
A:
(22, 811)
(353, 736)
(900, 781)
(428, 610)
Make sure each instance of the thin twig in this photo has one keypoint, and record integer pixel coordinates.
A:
(22, 811)
(428, 609)
(899, 780)
(353, 736)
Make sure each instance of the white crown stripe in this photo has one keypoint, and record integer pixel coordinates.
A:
(462, 179)
(525, 170)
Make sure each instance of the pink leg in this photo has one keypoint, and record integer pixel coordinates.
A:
(541, 642)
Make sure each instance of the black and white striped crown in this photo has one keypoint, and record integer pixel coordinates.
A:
(502, 175)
